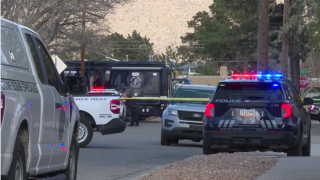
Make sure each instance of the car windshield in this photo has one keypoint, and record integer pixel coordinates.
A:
(193, 93)
(249, 91)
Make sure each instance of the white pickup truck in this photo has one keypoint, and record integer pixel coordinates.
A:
(99, 110)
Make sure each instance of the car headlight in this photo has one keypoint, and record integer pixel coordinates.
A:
(172, 112)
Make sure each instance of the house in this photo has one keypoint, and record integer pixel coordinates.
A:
(188, 69)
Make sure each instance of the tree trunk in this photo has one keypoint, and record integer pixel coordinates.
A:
(294, 62)
(263, 35)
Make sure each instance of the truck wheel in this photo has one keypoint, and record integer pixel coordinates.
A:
(296, 150)
(306, 150)
(85, 132)
(18, 165)
(71, 171)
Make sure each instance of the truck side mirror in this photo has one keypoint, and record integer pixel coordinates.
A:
(76, 84)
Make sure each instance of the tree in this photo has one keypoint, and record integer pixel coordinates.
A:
(226, 34)
(210, 68)
(59, 22)
(137, 48)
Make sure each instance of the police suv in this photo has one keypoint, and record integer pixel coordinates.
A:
(257, 112)
(99, 109)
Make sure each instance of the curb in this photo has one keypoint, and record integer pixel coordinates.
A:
(150, 171)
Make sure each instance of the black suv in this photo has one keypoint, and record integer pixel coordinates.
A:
(257, 112)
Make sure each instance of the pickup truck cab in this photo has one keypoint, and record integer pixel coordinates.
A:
(99, 110)
(39, 119)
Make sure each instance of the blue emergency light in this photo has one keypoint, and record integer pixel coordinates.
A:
(270, 76)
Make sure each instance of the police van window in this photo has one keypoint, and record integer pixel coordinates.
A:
(35, 58)
(193, 93)
(49, 66)
(95, 79)
(250, 91)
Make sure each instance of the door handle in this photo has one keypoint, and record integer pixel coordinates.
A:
(58, 105)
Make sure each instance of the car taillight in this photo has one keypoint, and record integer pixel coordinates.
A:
(286, 110)
(311, 107)
(209, 110)
(115, 106)
(3, 103)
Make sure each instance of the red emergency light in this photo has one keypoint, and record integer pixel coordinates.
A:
(245, 76)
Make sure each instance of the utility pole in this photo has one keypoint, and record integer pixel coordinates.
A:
(83, 37)
(285, 65)
(263, 35)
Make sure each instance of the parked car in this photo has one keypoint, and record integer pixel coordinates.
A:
(183, 119)
(314, 109)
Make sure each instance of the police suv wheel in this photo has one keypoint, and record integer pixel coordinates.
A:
(164, 141)
(306, 150)
(297, 149)
(85, 132)
(17, 169)
(129, 118)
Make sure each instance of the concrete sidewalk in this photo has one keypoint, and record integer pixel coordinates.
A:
(297, 168)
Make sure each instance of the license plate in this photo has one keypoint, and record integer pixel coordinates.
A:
(247, 112)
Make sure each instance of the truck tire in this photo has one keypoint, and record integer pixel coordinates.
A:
(85, 132)
(71, 171)
(297, 149)
(18, 163)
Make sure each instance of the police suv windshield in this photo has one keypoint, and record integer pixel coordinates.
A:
(249, 91)
(193, 93)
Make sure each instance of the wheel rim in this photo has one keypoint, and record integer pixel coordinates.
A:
(19, 169)
(83, 133)
(72, 165)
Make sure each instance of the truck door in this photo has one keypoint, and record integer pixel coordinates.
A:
(61, 121)
(41, 147)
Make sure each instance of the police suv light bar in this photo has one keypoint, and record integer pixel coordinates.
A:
(260, 76)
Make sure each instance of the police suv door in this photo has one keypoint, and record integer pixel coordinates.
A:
(61, 127)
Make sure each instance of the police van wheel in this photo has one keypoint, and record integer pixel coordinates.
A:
(85, 132)
(18, 164)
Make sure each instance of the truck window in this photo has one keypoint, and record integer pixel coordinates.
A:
(49, 66)
(35, 58)
(250, 91)
(12, 50)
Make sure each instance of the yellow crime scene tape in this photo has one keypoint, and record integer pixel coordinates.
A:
(167, 99)
(173, 99)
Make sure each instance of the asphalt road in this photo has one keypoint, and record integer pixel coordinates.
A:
(138, 150)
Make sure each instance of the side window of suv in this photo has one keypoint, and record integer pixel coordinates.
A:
(296, 94)
(293, 93)
(53, 79)
(287, 91)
